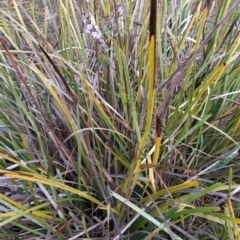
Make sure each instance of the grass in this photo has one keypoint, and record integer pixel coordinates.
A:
(119, 120)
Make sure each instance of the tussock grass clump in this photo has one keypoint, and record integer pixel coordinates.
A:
(119, 119)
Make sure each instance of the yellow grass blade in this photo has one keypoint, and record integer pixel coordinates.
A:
(40, 179)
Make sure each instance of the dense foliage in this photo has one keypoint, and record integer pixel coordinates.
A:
(119, 119)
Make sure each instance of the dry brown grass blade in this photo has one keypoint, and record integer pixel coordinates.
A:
(17, 69)
(66, 85)
(70, 92)
(165, 166)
